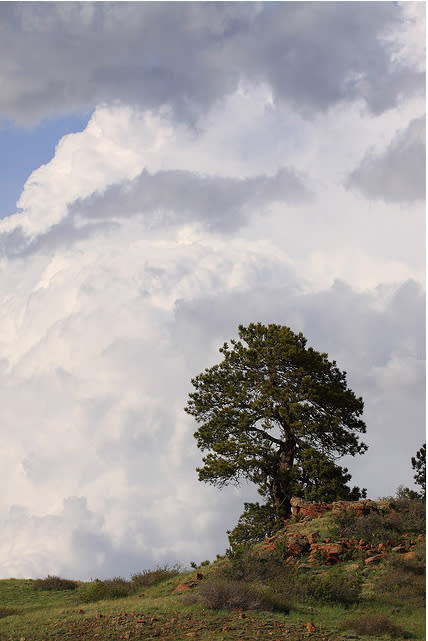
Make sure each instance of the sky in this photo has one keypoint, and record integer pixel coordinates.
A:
(170, 171)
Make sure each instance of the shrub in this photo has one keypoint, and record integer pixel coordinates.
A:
(406, 516)
(400, 584)
(218, 594)
(151, 577)
(247, 564)
(109, 589)
(410, 516)
(331, 587)
(54, 583)
(7, 612)
(117, 588)
(95, 591)
(373, 624)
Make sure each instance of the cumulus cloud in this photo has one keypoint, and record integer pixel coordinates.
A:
(98, 347)
(399, 173)
(60, 56)
(149, 236)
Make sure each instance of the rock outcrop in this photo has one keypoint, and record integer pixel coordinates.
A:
(305, 510)
(308, 548)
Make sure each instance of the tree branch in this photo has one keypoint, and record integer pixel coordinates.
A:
(268, 436)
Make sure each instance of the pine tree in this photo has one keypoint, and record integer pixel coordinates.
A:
(279, 414)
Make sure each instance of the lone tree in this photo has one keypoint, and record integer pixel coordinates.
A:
(419, 466)
(278, 414)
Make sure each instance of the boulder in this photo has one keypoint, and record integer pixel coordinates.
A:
(373, 559)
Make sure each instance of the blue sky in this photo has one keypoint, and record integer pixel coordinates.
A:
(223, 163)
(25, 148)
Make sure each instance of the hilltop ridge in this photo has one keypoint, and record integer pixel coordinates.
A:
(335, 572)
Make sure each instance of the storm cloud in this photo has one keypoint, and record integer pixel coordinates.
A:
(64, 56)
(398, 174)
(239, 162)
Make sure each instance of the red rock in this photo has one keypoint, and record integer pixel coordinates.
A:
(295, 549)
(373, 559)
(313, 537)
(270, 547)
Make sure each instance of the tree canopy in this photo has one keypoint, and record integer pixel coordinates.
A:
(279, 414)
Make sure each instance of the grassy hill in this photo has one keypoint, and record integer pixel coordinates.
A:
(336, 576)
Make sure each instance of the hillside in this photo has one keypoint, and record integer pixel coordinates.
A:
(337, 572)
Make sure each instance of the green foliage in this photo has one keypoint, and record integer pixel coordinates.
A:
(419, 466)
(52, 582)
(118, 587)
(218, 594)
(255, 524)
(379, 527)
(244, 563)
(321, 479)
(333, 586)
(402, 582)
(109, 589)
(276, 413)
(147, 578)
(406, 493)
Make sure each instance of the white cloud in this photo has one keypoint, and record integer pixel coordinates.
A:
(103, 324)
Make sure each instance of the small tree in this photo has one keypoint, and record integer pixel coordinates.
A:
(278, 414)
(419, 465)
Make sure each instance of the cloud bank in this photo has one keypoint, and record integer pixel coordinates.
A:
(397, 175)
(188, 56)
(222, 178)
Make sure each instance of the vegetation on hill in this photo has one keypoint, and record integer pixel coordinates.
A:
(353, 572)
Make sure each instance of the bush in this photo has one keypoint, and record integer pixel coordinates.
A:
(405, 517)
(247, 564)
(54, 583)
(151, 577)
(410, 516)
(8, 612)
(118, 587)
(331, 587)
(218, 594)
(373, 624)
(400, 583)
(109, 589)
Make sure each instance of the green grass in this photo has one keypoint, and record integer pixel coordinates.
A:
(389, 605)
(58, 616)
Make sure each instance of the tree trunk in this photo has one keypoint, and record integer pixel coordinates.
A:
(281, 483)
